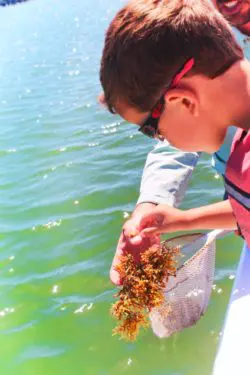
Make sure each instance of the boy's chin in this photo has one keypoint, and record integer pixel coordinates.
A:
(211, 149)
(217, 142)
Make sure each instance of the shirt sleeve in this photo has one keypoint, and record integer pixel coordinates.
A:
(166, 175)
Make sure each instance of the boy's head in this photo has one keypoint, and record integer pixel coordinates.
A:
(237, 12)
(181, 45)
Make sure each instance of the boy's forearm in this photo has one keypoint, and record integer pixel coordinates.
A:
(214, 216)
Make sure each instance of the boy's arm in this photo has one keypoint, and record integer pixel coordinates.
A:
(166, 219)
(214, 216)
(166, 174)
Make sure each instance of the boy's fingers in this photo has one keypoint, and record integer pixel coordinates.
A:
(136, 240)
(151, 231)
(132, 236)
(114, 275)
(130, 231)
(152, 224)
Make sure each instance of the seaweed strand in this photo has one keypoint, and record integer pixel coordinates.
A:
(143, 288)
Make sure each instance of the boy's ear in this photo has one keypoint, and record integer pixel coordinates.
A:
(187, 99)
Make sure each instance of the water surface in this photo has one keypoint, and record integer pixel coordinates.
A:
(69, 173)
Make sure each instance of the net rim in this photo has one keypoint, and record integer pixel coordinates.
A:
(197, 253)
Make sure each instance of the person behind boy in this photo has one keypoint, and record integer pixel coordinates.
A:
(237, 12)
(163, 65)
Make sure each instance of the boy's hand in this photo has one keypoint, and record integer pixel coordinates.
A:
(162, 219)
(166, 219)
(130, 241)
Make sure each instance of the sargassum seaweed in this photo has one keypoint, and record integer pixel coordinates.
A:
(142, 289)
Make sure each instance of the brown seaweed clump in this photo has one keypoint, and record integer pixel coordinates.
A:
(142, 289)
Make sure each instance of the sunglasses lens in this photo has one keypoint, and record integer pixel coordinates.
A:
(148, 130)
(160, 137)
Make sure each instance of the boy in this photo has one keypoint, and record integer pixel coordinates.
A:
(175, 69)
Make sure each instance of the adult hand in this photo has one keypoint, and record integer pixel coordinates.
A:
(130, 241)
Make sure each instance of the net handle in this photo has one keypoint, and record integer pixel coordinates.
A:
(206, 239)
(215, 234)
(209, 236)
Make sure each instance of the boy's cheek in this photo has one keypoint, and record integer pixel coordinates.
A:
(190, 139)
(177, 131)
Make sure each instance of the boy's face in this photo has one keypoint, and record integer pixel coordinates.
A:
(237, 12)
(186, 125)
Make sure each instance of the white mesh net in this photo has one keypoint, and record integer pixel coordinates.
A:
(187, 295)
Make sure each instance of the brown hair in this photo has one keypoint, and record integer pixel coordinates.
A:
(149, 40)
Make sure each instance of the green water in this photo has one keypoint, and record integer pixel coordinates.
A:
(68, 173)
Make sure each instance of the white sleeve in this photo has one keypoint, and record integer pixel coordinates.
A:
(166, 175)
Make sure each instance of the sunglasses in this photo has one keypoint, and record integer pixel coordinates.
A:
(150, 125)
